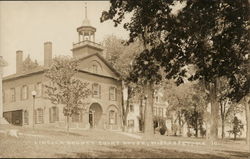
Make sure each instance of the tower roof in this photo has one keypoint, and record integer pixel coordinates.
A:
(86, 21)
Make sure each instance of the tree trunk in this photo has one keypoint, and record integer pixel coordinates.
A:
(68, 124)
(222, 128)
(148, 124)
(214, 112)
(141, 115)
(248, 121)
(123, 109)
(196, 126)
(179, 122)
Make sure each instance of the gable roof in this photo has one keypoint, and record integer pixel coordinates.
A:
(103, 60)
(42, 69)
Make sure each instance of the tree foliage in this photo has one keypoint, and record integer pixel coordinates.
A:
(210, 34)
(64, 88)
(28, 64)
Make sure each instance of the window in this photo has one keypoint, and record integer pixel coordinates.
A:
(160, 111)
(53, 114)
(26, 117)
(77, 117)
(112, 117)
(24, 92)
(39, 116)
(13, 94)
(131, 108)
(94, 68)
(96, 90)
(112, 93)
(130, 123)
(39, 89)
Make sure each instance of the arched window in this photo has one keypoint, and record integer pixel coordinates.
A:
(26, 117)
(94, 68)
(112, 117)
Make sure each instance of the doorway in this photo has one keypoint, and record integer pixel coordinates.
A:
(95, 114)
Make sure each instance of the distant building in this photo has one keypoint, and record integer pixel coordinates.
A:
(103, 110)
(137, 108)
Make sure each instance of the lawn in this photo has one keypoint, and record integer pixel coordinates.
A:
(107, 144)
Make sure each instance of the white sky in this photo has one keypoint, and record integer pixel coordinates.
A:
(27, 25)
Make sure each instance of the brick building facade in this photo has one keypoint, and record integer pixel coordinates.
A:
(103, 108)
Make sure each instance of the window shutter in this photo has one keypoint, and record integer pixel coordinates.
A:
(57, 114)
(115, 94)
(109, 93)
(99, 91)
(21, 93)
(115, 117)
(42, 90)
(27, 92)
(93, 90)
(35, 117)
(50, 115)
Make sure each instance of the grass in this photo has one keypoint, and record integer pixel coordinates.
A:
(57, 143)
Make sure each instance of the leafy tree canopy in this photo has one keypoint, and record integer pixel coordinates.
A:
(212, 35)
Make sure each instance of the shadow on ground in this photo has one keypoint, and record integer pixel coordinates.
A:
(125, 152)
(238, 154)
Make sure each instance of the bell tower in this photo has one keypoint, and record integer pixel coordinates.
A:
(86, 44)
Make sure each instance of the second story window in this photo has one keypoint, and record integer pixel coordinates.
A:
(24, 92)
(112, 93)
(131, 108)
(13, 94)
(96, 90)
(39, 89)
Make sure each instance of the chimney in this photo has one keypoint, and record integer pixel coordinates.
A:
(47, 54)
(19, 61)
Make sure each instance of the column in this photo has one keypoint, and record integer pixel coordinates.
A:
(89, 36)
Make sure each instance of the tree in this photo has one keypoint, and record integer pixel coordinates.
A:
(121, 56)
(28, 64)
(65, 88)
(212, 35)
(237, 127)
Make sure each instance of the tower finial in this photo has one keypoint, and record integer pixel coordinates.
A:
(86, 10)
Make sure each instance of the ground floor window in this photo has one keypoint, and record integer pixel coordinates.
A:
(112, 117)
(77, 117)
(39, 115)
(26, 117)
(53, 114)
(131, 123)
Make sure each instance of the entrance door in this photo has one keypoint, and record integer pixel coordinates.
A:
(95, 114)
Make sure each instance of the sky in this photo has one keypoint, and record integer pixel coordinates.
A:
(27, 25)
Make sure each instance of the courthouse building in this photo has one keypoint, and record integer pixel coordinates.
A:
(104, 105)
